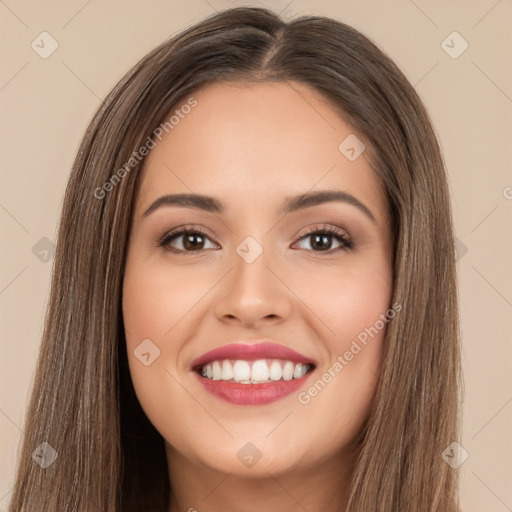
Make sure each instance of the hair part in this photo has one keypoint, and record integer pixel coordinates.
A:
(110, 456)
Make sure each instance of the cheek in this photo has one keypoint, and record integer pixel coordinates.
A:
(347, 299)
(153, 308)
(357, 310)
(352, 305)
(155, 301)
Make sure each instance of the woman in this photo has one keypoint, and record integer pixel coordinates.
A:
(254, 303)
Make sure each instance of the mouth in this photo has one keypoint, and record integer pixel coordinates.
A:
(253, 374)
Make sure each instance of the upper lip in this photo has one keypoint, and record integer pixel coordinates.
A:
(263, 349)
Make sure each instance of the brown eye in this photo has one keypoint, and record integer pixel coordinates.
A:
(187, 240)
(321, 240)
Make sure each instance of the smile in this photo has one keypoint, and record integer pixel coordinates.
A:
(252, 374)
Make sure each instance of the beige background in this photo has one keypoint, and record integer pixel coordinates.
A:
(47, 103)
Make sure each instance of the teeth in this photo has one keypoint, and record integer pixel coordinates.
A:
(299, 370)
(275, 371)
(288, 370)
(241, 370)
(252, 372)
(227, 371)
(217, 370)
(259, 371)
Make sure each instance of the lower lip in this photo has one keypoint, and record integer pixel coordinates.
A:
(253, 394)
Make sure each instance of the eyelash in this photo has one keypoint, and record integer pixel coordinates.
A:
(339, 234)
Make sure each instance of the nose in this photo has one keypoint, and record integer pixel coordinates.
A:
(254, 294)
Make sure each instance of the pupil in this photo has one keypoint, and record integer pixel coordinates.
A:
(322, 241)
(191, 245)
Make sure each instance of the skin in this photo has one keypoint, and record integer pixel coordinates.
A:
(252, 146)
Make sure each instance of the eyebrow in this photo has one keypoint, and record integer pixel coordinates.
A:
(291, 204)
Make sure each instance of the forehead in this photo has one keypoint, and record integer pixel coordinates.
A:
(257, 143)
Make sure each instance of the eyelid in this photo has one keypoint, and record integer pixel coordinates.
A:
(323, 227)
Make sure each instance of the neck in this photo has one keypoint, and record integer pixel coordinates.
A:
(199, 488)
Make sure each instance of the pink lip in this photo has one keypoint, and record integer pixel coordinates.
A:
(251, 352)
(251, 394)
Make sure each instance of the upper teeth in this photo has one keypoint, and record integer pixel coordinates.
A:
(250, 372)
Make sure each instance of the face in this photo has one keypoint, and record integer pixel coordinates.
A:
(300, 286)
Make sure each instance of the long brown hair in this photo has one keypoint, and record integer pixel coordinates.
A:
(83, 404)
